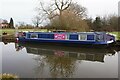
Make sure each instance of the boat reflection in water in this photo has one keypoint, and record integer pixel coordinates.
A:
(62, 61)
(76, 55)
(90, 54)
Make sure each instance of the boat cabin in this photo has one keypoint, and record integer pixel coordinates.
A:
(68, 37)
(81, 36)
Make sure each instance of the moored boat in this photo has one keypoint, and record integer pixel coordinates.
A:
(68, 38)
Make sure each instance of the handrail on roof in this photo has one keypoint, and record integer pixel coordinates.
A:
(59, 31)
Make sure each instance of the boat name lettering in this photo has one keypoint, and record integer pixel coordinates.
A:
(59, 36)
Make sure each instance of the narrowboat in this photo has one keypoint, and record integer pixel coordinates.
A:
(68, 38)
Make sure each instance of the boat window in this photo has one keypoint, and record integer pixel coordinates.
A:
(90, 37)
(73, 37)
(46, 36)
(28, 36)
(34, 35)
(99, 37)
(82, 37)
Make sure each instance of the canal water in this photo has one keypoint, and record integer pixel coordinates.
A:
(50, 61)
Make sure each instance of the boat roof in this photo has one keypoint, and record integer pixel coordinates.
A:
(68, 32)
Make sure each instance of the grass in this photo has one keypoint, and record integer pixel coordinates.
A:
(8, 77)
(9, 31)
(12, 31)
(117, 34)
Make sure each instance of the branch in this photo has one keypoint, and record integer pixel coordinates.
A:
(51, 17)
(44, 9)
(57, 5)
(67, 5)
(62, 4)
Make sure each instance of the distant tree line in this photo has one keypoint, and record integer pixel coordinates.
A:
(106, 23)
(73, 22)
(23, 25)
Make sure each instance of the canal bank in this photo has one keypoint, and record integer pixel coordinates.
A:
(8, 38)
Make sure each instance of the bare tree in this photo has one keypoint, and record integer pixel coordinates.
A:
(78, 10)
(4, 21)
(21, 24)
(48, 11)
(55, 8)
(72, 19)
(62, 5)
(37, 20)
(64, 14)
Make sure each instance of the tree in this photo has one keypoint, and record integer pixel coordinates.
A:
(113, 22)
(4, 21)
(11, 24)
(66, 15)
(119, 23)
(97, 24)
(89, 22)
(62, 5)
(55, 9)
(70, 22)
(21, 24)
(110, 23)
(37, 20)
(78, 10)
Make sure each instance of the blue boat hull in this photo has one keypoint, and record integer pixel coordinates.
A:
(64, 42)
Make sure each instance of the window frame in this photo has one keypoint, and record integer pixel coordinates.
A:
(94, 37)
(34, 34)
(82, 39)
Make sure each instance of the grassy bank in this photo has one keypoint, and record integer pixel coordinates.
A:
(12, 31)
(9, 31)
(8, 77)
(117, 35)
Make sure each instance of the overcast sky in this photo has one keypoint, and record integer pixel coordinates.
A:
(24, 10)
(119, 8)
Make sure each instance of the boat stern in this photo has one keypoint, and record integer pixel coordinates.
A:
(110, 38)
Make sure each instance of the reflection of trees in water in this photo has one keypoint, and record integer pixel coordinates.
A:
(40, 65)
(62, 63)
(59, 66)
